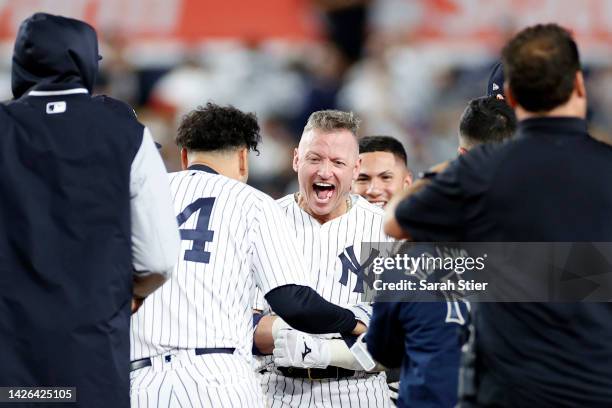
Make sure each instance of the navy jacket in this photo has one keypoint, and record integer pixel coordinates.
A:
(65, 234)
(425, 339)
(549, 184)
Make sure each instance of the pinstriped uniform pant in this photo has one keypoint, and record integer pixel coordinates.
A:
(187, 380)
(361, 391)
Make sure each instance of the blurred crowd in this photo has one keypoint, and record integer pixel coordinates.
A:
(367, 63)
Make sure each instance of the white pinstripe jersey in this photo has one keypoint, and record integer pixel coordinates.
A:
(325, 245)
(234, 238)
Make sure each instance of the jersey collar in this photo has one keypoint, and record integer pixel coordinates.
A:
(557, 126)
(351, 201)
(202, 167)
(58, 92)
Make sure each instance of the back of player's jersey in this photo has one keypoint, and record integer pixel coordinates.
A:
(230, 243)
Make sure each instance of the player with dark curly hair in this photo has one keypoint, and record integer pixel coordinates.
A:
(225, 133)
(213, 127)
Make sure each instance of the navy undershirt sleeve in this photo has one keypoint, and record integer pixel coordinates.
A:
(305, 310)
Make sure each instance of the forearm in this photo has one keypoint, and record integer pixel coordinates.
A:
(144, 285)
(391, 224)
(263, 336)
(341, 356)
(267, 329)
(305, 310)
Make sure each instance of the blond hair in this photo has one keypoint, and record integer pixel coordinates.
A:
(333, 119)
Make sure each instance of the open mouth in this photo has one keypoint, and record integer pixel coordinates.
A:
(324, 191)
(379, 203)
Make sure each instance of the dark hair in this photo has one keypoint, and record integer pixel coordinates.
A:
(370, 144)
(215, 127)
(540, 65)
(486, 120)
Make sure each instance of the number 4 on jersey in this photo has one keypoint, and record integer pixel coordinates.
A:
(201, 234)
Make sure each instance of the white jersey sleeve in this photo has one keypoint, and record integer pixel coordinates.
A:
(275, 258)
(155, 236)
(362, 312)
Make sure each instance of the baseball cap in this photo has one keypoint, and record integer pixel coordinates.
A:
(495, 86)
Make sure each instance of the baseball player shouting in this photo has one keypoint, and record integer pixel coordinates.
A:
(191, 340)
(330, 224)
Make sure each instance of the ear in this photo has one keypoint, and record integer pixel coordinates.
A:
(184, 159)
(462, 150)
(509, 96)
(296, 156)
(356, 168)
(243, 164)
(408, 180)
(579, 85)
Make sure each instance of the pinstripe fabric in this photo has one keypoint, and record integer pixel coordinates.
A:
(213, 380)
(322, 246)
(207, 302)
(367, 391)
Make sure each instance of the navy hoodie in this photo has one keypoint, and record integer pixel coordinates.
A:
(65, 234)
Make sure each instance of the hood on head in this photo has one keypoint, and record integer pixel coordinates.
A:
(53, 50)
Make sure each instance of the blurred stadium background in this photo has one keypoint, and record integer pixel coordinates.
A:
(407, 67)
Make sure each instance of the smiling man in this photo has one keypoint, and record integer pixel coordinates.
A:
(384, 169)
(330, 224)
(327, 162)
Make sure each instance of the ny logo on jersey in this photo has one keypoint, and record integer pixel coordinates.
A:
(351, 263)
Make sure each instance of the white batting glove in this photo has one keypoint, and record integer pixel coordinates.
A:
(293, 348)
